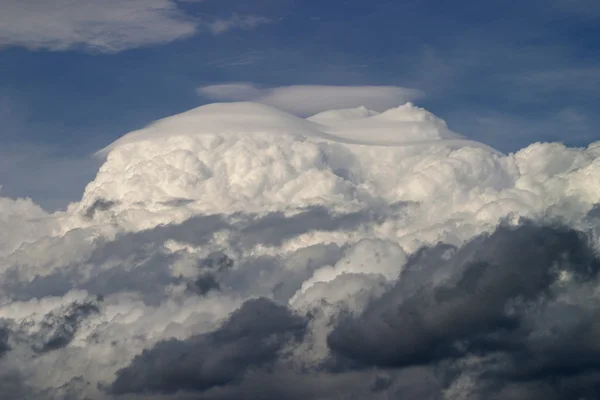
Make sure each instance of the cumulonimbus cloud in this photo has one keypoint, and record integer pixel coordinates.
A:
(239, 251)
(305, 100)
(106, 26)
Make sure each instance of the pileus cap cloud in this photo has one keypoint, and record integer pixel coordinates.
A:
(305, 100)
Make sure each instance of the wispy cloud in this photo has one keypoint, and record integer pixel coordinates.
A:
(105, 26)
(236, 21)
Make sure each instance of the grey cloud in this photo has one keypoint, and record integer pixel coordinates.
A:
(59, 328)
(274, 228)
(236, 21)
(204, 284)
(498, 298)
(496, 309)
(99, 26)
(4, 336)
(99, 205)
(414, 383)
(12, 386)
(138, 262)
(218, 261)
(253, 337)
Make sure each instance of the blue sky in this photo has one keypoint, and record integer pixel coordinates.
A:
(505, 73)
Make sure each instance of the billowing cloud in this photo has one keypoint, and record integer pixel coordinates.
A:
(58, 329)
(252, 337)
(106, 26)
(488, 302)
(306, 100)
(239, 251)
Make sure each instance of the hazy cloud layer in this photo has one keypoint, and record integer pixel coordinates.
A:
(105, 26)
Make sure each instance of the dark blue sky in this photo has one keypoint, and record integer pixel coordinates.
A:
(507, 73)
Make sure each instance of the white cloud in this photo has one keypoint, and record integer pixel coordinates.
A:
(106, 26)
(306, 100)
(236, 21)
(196, 213)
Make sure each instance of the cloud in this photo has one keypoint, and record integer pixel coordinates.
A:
(467, 311)
(252, 337)
(58, 329)
(306, 100)
(237, 21)
(99, 206)
(104, 26)
(96, 25)
(505, 311)
(4, 346)
(238, 251)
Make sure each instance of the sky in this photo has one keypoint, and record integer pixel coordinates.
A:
(75, 76)
(264, 200)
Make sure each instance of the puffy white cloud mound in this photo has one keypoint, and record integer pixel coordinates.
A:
(218, 158)
(401, 125)
(223, 158)
(194, 217)
(22, 221)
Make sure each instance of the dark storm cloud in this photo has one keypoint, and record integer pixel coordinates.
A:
(59, 328)
(413, 383)
(4, 336)
(217, 261)
(204, 284)
(499, 298)
(275, 228)
(252, 337)
(99, 205)
(271, 229)
(13, 387)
